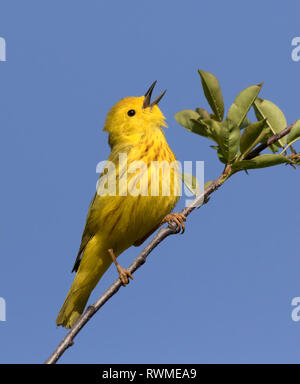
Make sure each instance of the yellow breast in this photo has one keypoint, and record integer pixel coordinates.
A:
(146, 193)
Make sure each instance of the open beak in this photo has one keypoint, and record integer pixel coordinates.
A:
(147, 101)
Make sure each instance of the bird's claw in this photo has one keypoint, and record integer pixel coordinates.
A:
(178, 219)
(124, 274)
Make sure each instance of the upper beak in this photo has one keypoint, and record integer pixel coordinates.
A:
(147, 101)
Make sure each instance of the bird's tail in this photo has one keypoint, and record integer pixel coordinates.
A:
(73, 306)
(90, 271)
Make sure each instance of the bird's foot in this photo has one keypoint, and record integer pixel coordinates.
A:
(123, 273)
(178, 219)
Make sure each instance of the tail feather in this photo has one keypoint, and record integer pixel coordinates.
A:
(93, 265)
(73, 306)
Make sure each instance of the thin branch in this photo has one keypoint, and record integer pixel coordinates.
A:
(68, 340)
(270, 141)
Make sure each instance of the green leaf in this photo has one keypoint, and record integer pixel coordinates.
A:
(213, 93)
(229, 140)
(207, 127)
(261, 161)
(245, 123)
(265, 109)
(187, 118)
(242, 164)
(213, 128)
(294, 133)
(191, 183)
(243, 102)
(251, 136)
(221, 156)
(203, 114)
(204, 126)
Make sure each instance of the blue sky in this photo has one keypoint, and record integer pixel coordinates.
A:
(219, 294)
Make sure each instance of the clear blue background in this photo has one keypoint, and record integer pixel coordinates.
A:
(220, 293)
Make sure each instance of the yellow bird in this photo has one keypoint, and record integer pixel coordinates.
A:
(134, 197)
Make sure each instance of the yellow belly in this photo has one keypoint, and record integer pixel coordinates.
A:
(152, 191)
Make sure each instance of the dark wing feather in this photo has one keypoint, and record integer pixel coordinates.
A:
(86, 237)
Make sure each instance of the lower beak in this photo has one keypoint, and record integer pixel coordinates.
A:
(147, 101)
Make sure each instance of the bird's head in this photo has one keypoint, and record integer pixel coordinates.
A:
(134, 116)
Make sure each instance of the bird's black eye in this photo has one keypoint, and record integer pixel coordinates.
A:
(131, 112)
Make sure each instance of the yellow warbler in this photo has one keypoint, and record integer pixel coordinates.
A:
(134, 197)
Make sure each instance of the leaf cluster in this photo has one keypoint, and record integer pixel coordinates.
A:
(235, 136)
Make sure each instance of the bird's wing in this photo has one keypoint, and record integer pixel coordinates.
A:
(90, 227)
(86, 236)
